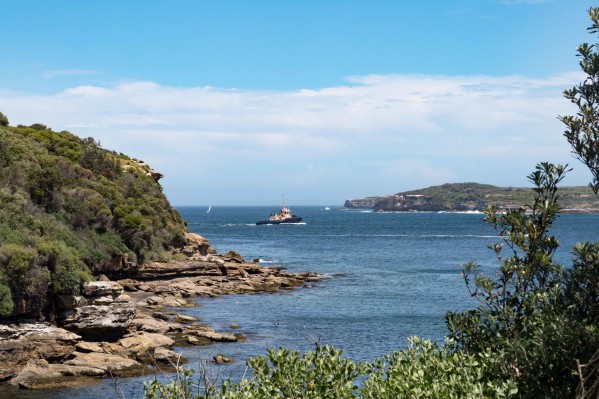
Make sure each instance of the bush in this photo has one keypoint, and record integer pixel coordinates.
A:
(6, 303)
(424, 370)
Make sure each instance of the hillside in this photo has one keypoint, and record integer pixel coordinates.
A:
(70, 210)
(463, 197)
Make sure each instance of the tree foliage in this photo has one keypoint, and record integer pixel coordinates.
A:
(532, 314)
(3, 120)
(70, 209)
(582, 129)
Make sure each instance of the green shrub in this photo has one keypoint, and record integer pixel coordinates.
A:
(284, 373)
(423, 370)
(6, 303)
(3, 120)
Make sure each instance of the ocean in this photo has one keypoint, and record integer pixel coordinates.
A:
(386, 277)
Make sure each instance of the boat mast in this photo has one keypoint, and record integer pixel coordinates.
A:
(283, 200)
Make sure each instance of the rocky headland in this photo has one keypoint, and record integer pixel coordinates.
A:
(125, 327)
(472, 197)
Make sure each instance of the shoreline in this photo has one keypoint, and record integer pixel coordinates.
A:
(471, 212)
(126, 327)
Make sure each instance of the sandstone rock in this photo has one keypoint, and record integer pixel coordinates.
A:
(108, 363)
(87, 347)
(155, 300)
(149, 324)
(232, 256)
(68, 302)
(217, 337)
(184, 318)
(141, 345)
(100, 322)
(102, 288)
(164, 355)
(102, 300)
(220, 359)
(192, 340)
(197, 244)
(39, 374)
(20, 343)
(123, 298)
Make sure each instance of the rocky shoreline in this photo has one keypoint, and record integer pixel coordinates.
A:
(125, 327)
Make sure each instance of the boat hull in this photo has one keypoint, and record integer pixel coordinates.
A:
(294, 219)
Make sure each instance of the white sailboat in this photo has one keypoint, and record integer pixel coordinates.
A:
(209, 208)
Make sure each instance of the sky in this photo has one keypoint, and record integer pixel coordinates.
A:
(238, 102)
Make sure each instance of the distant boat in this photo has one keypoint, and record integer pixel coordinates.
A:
(284, 216)
(209, 208)
(326, 208)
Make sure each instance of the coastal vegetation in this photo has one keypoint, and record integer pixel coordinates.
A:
(70, 210)
(463, 197)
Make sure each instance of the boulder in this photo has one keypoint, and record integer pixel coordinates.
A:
(150, 324)
(164, 355)
(220, 359)
(197, 245)
(98, 322)
(143, 344)
(192, 340)
(232, 256)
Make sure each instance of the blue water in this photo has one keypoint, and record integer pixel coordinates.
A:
(400, 274)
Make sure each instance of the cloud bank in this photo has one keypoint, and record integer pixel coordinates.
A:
(377, 134)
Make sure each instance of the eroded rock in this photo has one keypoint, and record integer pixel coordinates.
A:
(98, 322)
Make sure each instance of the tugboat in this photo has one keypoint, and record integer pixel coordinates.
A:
(282, 217)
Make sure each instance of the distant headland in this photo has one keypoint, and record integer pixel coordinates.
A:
(472, 197)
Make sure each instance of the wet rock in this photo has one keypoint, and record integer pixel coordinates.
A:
(164, 355)
(220, 359)
(217, 337)
(192, 340)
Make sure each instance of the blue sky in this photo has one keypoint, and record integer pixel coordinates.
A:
(237, 102)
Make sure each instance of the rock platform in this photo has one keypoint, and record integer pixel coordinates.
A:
(122, 328)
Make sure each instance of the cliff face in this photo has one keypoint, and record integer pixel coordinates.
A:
(361, 203)
(464, 197)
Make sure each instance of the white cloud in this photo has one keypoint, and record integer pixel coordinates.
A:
(254, 137)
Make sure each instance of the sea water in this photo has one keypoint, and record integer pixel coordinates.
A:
(386, 277)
